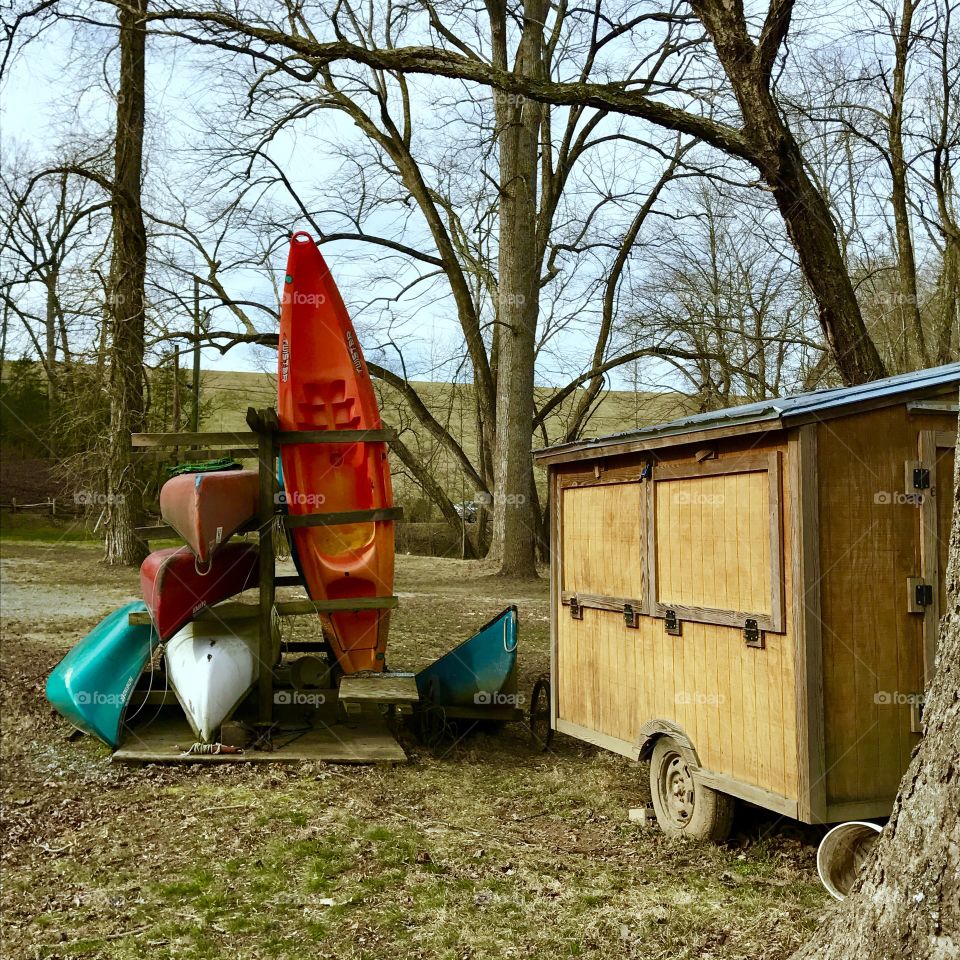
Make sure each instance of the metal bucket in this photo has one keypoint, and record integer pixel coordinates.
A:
(841, 854)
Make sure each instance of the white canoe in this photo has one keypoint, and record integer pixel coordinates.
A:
(211, 667)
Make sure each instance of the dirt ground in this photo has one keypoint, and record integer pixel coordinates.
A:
(483, 849)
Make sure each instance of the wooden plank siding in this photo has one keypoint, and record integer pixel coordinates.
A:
(717, 553)
(603, 539)
(736, 703)
(872, 646)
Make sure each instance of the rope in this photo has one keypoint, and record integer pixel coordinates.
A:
(210, 749)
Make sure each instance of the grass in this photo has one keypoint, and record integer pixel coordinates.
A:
(480, 850)
(45, 529)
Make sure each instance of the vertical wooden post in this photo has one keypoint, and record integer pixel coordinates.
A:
(268, 472)
(176, 389)
(195, 413)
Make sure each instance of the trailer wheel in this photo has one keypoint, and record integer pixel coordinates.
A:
(540, 730)
(684, 807)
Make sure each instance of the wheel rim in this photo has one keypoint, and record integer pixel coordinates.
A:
(677, 789)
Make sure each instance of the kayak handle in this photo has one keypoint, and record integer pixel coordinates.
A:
(301, 236)
(509, 644)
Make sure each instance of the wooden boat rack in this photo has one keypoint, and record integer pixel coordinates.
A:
(263, 442)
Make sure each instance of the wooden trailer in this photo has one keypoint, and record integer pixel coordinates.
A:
(749, 598)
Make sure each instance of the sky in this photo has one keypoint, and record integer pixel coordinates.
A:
(36, 108)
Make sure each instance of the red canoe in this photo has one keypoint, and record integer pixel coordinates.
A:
(175, 592)
(206, 509)
(323, 384)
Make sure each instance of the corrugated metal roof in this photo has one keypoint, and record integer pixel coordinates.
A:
(783, 411)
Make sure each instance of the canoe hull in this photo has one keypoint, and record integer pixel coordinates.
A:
(91, 686)
(323, 384)
(206, 509)
(175, 592)
(474, 673)
(211, 667)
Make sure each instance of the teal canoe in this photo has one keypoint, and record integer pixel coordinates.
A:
(91, 685)
(473, 674)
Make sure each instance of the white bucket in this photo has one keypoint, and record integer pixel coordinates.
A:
(841, 854)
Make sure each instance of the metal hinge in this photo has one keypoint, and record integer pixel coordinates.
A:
(576, 611)
(630, 616)
(921, 478)
(671, 624)
(752, 634)
(923, 594)
(919, 595)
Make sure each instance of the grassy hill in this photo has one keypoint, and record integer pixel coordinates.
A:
(226, 396)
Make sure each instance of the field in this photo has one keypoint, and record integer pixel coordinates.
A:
(227, 396)
(478, 849)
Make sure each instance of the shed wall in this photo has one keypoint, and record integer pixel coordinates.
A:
(869, 534)
(736, 703)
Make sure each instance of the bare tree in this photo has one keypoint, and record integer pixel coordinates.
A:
(126, 301)
(763, 138)
(722, 287)
(45, 231)
(509, 311)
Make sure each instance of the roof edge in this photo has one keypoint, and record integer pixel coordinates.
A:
(678, 432)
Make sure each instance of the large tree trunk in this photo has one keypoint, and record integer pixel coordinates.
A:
(125, 298)
(775, 153)
(908, 303)
(518, 131)
(907, 902)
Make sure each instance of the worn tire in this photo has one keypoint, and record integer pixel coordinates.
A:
(685, 808)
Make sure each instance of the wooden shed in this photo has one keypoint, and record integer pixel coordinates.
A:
(749, 598)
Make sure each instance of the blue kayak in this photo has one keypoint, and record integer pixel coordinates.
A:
(473, 674)
(92, 684)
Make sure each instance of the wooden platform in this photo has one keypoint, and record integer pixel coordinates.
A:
(367, 741)
(380, 688)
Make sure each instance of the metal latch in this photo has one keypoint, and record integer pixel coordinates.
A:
(671, 624)
(752, 634)
(630, 616)
(576, 611)
(923, 594)
(921, 478)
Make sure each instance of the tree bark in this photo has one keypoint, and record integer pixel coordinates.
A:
(125, 296)
(907, 900)
(519, 121)
(908, 303)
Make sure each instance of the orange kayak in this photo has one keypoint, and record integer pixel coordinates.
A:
(323, 384)
(206, 509)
